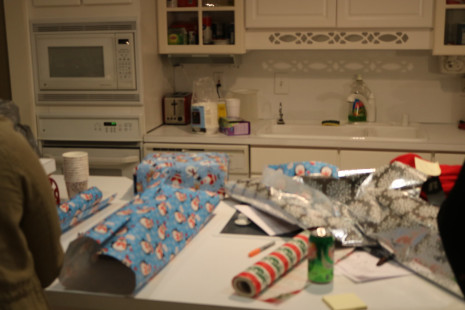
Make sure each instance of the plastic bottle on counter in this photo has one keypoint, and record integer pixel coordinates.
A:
(371, 108)
(207, 30)
(358, 100)
(221, 108)
(204, 107)
(204, 117)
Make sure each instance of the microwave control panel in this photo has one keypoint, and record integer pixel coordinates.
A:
(125, 60)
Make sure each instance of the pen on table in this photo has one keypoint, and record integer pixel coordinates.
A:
(346, 255)
(260, 249)
(384, 259)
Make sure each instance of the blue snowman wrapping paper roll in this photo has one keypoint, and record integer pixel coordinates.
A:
(80, 207)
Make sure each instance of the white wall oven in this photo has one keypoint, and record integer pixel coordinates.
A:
(88, 92)
(113, 143)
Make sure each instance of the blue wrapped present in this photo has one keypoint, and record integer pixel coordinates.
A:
(307, 168)
(203, 170)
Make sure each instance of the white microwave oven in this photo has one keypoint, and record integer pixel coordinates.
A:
(85, 56)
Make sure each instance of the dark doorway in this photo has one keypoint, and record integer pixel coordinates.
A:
(5, 88)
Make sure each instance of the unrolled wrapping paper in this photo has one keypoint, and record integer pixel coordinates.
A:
(80, 207)
(259, 276)
(123, 252)
(386, 209)
(280, 196)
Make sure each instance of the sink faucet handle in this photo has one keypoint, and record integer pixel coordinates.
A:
(280, 119)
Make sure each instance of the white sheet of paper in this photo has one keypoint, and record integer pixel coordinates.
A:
(428, 167)
(271, 225)
(361, 266)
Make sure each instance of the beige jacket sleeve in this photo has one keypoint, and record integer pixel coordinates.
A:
(29, 227)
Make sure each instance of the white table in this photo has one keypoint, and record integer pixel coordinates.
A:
(108, 185)
(200, 277)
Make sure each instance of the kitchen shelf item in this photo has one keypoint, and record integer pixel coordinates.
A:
(198, 26)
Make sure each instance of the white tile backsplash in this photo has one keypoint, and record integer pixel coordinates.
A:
(404, 82)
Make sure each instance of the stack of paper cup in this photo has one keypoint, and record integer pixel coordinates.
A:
(233, 107)
(76, 172)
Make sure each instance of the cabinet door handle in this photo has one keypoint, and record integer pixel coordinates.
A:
(111, 161)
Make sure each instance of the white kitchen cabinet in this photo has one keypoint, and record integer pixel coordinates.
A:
(40, 3)
(238, 155)
(279, 14)
(449, 28)
(106, 2)
(365, 159)
(45, 3)
(338, 24)
(181, 26)
(290, 13)
(449, 158)
(385, 14)
(261, 157)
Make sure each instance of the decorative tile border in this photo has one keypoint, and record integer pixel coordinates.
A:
(336, 38)
(376, 39)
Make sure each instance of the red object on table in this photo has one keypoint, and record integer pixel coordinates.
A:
(56, 192)
(449, 173)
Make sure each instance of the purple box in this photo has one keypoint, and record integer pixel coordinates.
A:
(234, 126)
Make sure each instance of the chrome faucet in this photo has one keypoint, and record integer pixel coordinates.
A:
(280, 119)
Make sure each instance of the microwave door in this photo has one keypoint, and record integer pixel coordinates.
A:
(76, 62)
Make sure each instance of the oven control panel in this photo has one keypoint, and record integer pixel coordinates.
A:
(89, 129)
(112, 127)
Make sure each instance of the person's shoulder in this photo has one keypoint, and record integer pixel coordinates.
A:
(5, 122)
(10, 140)
(6, 126)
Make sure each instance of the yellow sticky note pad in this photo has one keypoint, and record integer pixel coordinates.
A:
(344, 302)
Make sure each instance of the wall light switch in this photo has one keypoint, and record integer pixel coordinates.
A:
(281, 83)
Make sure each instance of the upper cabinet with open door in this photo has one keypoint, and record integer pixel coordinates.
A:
(201, 26)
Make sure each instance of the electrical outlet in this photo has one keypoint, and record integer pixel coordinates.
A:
(281, 83)
(218, 77)
(452, 64)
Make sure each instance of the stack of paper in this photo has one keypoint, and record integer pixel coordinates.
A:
(361, 266)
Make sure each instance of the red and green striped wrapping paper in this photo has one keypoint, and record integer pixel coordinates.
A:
(256, 278)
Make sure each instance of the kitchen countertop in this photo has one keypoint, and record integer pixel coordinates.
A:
(439, 138)
(183, 285)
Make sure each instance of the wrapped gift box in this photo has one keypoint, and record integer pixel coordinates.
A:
(207, 171)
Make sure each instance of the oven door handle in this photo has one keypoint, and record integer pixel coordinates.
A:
(112, 161)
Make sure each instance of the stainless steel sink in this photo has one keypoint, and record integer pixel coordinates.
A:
(395, 133)
(312, 131)
(357, 131)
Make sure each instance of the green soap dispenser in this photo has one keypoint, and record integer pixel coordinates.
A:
(357, 99)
